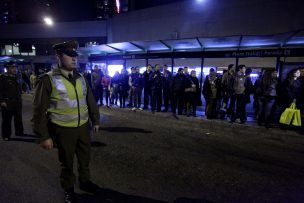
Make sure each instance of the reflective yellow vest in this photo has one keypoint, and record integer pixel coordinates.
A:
(68, 105)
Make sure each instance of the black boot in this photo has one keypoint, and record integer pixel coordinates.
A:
(88, 186)
(69, 196)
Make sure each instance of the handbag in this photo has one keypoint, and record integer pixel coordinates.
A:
(291, 116)
(296, 118)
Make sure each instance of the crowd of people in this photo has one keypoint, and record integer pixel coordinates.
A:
(150, 90)
(226, 95)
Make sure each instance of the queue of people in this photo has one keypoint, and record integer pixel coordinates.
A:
(151, 90)
(226, 95)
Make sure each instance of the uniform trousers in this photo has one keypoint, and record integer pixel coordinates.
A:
(71, 142)
(14, 109)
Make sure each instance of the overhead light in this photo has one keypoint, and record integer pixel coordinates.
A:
(48, 21)
(118, 6)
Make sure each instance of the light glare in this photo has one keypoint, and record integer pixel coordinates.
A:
(118, 6)
(113, 68)
(48, 21)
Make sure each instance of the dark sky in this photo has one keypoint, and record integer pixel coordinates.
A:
(29, 11)
(140, 4)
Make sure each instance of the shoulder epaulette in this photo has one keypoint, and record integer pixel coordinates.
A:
(42, 76)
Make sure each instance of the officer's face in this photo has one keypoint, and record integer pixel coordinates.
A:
(67, 62)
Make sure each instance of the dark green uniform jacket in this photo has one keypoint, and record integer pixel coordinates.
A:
(41, 103)
(10, 90)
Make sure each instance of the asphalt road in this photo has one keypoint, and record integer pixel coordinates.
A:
(144, 157)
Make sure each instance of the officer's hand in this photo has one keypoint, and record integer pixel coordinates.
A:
(3, 104)
(47, 144)
(95, 128)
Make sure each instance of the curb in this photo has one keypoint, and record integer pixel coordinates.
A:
(198, 123)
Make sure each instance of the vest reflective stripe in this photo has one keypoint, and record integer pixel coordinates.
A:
(68, 106)
(67, 103)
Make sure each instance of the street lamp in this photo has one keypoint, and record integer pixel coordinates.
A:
(48, 21)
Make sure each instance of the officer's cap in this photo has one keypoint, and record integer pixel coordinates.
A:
(10, 64)
(69, 48)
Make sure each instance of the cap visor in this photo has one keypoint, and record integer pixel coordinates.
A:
(71, 54)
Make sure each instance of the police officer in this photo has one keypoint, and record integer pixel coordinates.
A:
(63, 104)
(10, 101)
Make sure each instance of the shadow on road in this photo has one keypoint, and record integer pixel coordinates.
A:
(97, 144)
(189, 200)
(31, 140)
(111, 196)
(125, 129)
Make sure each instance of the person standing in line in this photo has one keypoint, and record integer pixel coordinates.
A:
(10, 101)
(131, 89)
(156, 79)
(33, 79)
(115, 86)
(195, 93)
(139, 88)
(123, 88)
(249, 89)
(96, 85)
(147, 86)
(210, 93)
(267, 99)
(63, 107)
(166, 88)
(238, 95)
(177, 89)
(227, 91)
(88, 77)
(292, 90)
(106, 84)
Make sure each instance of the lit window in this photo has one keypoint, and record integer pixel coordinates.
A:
(113, 68)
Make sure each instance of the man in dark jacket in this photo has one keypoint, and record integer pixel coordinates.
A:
(147, 86)
(210, 93)
(123, 88)
(10, 100)
(236, 104)
(177, 89)
(156, 79)
(166, 87)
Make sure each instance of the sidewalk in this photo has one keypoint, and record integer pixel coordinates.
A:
(199, 122)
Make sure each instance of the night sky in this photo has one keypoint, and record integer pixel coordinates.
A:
(33, 11)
